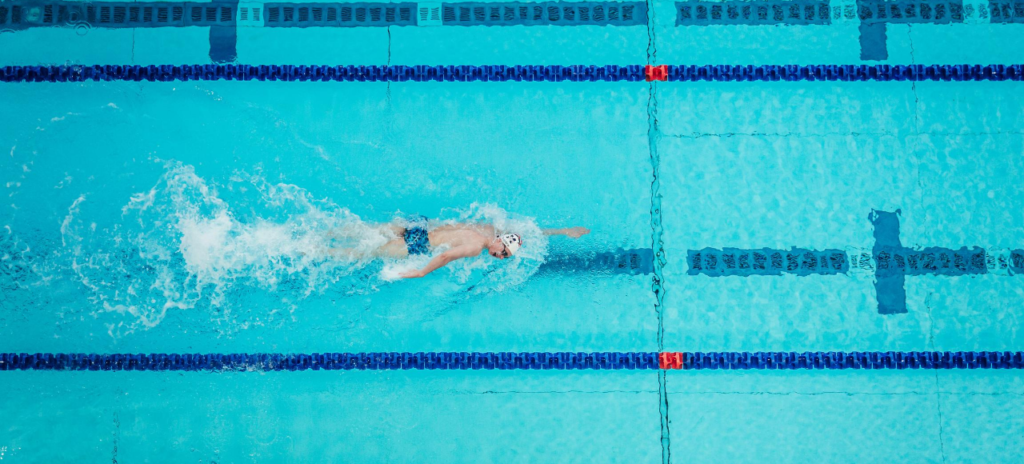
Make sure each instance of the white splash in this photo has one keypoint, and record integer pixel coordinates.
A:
(182, 245)
(65, 226)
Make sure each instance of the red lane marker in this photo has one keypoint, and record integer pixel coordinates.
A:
(656, 73)
(670, 360)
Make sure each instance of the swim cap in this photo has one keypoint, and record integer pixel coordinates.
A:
(512, 243)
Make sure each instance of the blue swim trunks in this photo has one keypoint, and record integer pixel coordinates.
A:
(416, 237)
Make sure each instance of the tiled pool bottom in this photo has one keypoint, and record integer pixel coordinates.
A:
(493, 416)
(590, 416)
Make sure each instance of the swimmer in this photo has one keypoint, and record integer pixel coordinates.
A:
(415, 237)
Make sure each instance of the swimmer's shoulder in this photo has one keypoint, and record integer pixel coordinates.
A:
(484, 232)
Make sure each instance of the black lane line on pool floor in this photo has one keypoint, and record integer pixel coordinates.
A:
(889, 261)
(658, 252)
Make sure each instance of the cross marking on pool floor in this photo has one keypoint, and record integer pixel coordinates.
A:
(888, 260)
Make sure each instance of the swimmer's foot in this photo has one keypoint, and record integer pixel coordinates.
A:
(348, 254)
(576, 232)
(318, 252)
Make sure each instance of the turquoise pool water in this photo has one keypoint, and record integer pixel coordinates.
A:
(149, 217)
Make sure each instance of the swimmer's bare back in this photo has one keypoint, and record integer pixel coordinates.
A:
(456, 235)
(462, 236)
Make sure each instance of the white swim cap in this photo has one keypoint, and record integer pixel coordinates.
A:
(512, 243)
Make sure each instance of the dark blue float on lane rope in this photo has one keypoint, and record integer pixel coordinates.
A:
(509, 361)
(552, 73)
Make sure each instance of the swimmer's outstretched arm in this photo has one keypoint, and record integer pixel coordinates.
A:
(443, 259)
(572, 232)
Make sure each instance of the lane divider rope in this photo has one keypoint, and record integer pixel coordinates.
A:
(501, 73)
(514, 361)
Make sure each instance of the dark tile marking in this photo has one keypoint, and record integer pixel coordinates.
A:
(766, 262)
(755, 13)
(632, 262)
(889, 290)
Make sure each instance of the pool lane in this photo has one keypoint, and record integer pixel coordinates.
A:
(354, 147)
(358, 418)
(835, 32)
(769, 204)
(828, 157)
(915, 415)
(452, 417)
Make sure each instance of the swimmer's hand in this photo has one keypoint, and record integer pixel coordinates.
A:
(413, 274)
(572, 232)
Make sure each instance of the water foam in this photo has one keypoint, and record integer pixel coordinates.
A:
(180, 245)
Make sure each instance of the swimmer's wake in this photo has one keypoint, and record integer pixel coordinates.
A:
(187, 244)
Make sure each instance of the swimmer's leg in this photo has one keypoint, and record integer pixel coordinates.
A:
(393, 249)
(348, 254)
(391, 229)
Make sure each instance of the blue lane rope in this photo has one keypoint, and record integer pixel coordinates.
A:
(513, 361)
(500, 73)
